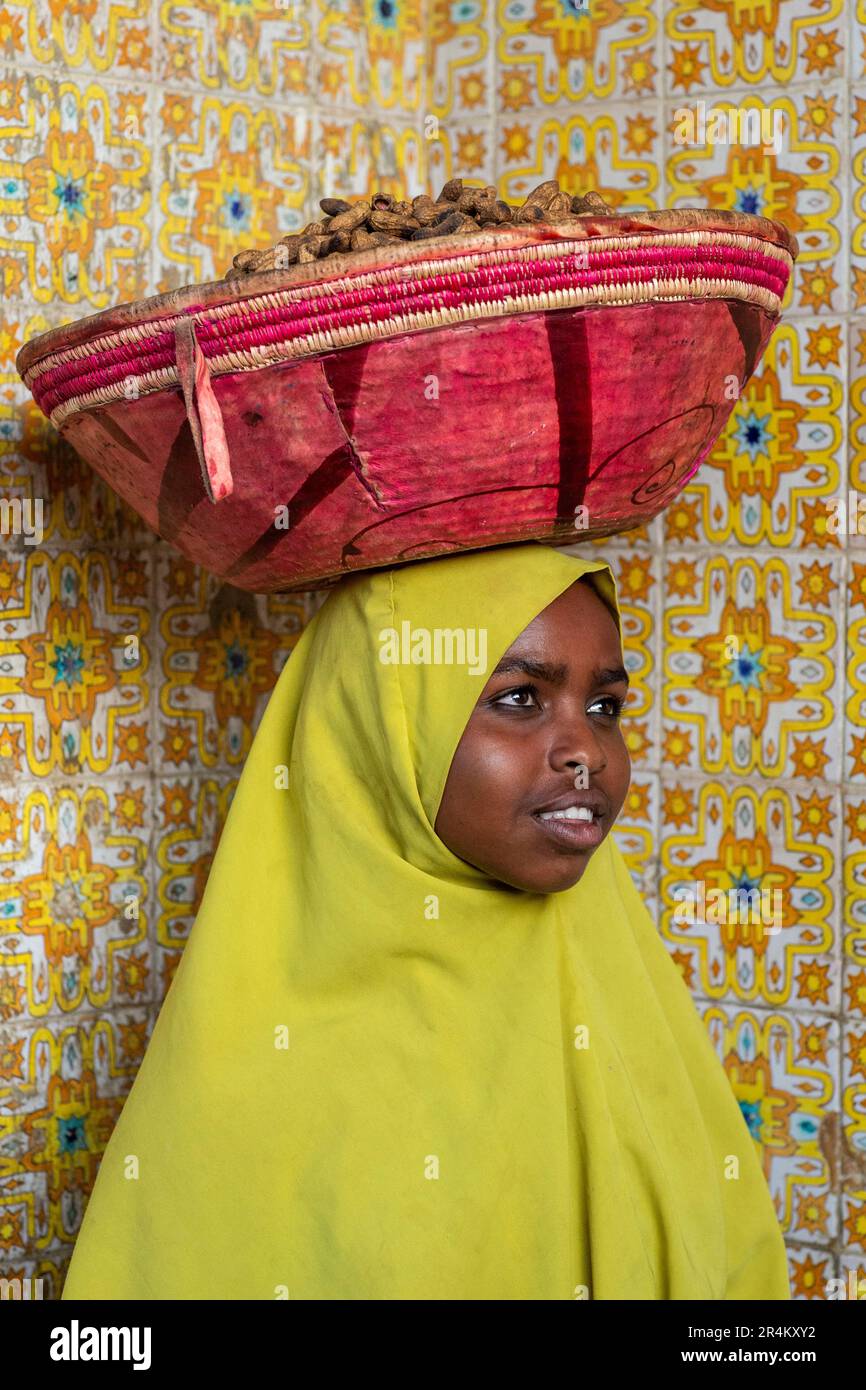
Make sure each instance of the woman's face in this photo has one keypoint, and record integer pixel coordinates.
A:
(548, 715)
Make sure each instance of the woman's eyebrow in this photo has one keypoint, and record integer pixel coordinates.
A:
(556, 675)
(609, 675)
(541, 670)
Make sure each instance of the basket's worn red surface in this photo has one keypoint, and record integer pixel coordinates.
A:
(424, 397)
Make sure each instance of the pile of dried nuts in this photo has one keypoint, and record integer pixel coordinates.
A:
(382, 219)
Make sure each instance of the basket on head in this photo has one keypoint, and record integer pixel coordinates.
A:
(549, 381)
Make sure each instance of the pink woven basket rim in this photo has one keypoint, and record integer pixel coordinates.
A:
(199, 298)
(496, 281)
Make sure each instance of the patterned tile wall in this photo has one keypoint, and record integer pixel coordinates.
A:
(141, 144)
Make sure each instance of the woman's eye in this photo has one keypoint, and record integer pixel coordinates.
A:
(522, 698)
(615, 705)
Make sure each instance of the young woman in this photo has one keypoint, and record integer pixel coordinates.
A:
(424, 1041)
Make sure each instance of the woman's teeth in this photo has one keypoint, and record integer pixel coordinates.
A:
(569, 813)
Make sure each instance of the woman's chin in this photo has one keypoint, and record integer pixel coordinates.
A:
(557, 878)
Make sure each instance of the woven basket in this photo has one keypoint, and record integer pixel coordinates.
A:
(552, 382)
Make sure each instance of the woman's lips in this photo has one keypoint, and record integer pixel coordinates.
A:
(571, 827)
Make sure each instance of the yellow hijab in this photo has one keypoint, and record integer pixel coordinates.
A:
(368, 1079)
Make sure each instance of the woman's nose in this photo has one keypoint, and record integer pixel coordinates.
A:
(578, 746)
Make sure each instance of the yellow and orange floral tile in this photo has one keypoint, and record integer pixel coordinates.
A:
(852, 1130)
(714, 45)
(779, 463)
(46, 1272)
(75, 189)
(852, 1157)
(781, 845)
(853, 887)
(636, 835)
(190, 813)
(354, 154)
(857, 60)
(615, 149)
(852, 1272)
(752, 667)
(75, 637)
(103, 36)
(459, 65)
(647, 534)
(856, 479)
(75, 901)
(62, 1087)
(464, 147)
(814, 1274)
(260, 48)
(229, 175)
(638, 576)
(75, 662)
(52, 485)
(220, 652)
(855, 692)
(795, 177)
(370, 55)
(549, 54)
(783, 1070)
(858, 191)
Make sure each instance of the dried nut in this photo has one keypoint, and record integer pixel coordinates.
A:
(311, 248)
(486, 210)
(559, 206)
(468, 199)
(484, 195)
(362, 240)
(596, 203)
(530, 212)
(384, 220)
(393, 221)
(354, 217)
(424, 210)
(422, 233)
(544, 194)
(477, 202)
(591, 204)
(451, 192)
(497, 212)
(452, 223)
(266, 260)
